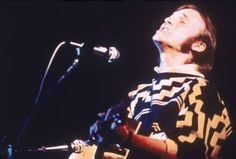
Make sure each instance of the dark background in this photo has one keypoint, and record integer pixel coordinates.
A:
(31, 30)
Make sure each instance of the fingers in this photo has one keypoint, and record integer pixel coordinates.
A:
(101, 115)
(94, 131)
(78, 146)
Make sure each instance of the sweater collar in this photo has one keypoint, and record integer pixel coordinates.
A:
(187, 69)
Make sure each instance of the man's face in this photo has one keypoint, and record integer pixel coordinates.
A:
(179, 27)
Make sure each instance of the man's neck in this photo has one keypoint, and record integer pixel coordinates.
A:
(170, 58)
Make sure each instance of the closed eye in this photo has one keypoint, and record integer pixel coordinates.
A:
(183, 18)
(182, 21)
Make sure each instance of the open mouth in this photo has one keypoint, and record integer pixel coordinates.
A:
(164, 28)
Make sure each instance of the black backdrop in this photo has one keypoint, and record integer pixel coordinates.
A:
(31, 30)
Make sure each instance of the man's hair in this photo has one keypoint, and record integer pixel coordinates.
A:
(206, 59)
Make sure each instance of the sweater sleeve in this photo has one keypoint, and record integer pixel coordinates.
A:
(203, 123)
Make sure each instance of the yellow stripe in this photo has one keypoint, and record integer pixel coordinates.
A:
(189, 115)
(187, 120)
(190, 138)
(199, 103)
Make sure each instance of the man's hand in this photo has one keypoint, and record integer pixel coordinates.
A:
(95, 131)
(109, 131)
(106, 128)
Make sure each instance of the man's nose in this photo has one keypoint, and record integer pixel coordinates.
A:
(168, 20)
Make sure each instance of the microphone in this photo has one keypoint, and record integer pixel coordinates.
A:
(76, 146)
(111, 53)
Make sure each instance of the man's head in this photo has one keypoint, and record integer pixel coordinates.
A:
(189, 30)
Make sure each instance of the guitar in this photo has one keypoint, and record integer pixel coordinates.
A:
(114, 117)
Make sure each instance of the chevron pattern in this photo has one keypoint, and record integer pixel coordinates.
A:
(187, 108)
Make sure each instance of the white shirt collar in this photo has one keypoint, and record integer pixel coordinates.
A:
(187, 68)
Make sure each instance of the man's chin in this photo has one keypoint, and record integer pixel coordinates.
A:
(158, 44)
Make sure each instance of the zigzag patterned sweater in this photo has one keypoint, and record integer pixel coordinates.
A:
(185, 108)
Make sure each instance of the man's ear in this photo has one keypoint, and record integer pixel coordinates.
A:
(198, 46)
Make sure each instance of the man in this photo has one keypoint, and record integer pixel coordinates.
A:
(181, 113)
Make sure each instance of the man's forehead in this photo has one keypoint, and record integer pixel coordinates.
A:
(191, 15)
(188, 13)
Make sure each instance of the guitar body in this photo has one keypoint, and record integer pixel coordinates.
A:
(87, 153)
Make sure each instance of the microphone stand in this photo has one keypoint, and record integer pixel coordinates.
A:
(76, 147)
(8, 154)
(51, 89)
(63, 77)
